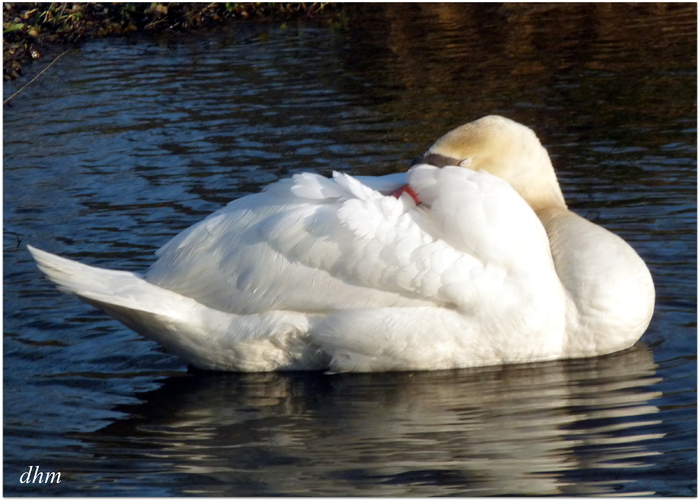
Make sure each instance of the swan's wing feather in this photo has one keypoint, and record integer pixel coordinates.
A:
(278, 249)
(313, 244)
(387, 248)
(314, 187)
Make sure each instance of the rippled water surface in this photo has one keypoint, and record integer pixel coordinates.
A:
(125, 142)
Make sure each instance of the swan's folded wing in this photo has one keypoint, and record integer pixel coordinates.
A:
(315, 244)
(278, 249)
(374, 245)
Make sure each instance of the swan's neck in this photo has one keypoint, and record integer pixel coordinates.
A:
(610, 293)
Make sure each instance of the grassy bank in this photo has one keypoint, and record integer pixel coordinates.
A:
(30, 29)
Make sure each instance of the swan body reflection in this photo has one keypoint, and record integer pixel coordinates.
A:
(556, 428)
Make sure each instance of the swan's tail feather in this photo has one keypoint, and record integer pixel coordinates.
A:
(174, 321)
(108, 287)
(204, 337)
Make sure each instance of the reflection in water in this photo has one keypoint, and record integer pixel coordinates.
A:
(495, 431)
(567, 70)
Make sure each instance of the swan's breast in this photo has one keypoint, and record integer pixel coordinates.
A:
(610, 290)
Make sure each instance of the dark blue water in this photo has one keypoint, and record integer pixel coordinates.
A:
(123, 143)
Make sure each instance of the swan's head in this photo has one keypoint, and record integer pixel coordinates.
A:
(505, 149)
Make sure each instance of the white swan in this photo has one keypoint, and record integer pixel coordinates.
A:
(489, 267)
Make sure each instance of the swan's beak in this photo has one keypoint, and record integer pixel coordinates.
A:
(435, 159)
(409, 191)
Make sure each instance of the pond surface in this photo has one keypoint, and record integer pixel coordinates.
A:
(123, 143)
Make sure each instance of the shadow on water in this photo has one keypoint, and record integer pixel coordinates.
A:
(543, 429)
